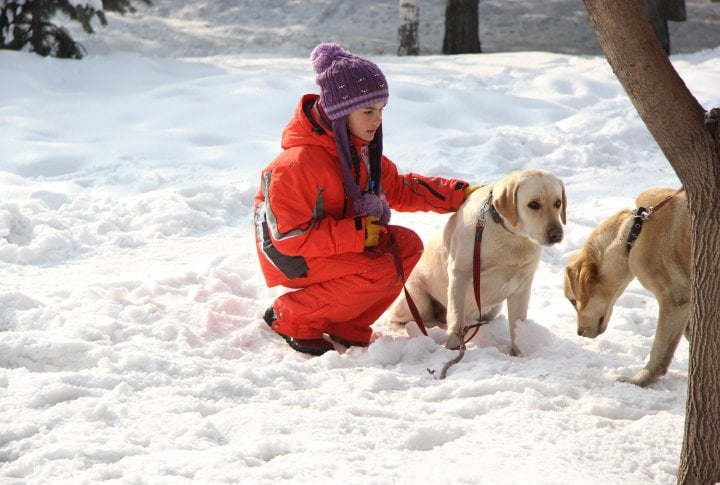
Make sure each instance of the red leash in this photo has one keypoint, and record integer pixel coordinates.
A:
(476, 280)
(476, 261)
(401, 272)
(479, 227)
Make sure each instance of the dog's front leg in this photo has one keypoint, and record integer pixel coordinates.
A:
(670, 328)
(517, 305)
(458, 283)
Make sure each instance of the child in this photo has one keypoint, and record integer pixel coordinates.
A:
(323, 208)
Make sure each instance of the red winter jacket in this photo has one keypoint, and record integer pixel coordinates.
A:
(301, 212)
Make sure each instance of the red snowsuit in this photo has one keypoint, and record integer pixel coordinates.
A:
(309, 239)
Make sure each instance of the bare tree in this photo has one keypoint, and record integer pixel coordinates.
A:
(689, 136)
(409, 44)
(461, 27)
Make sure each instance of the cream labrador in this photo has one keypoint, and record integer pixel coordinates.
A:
(659, 258)
(522, 212)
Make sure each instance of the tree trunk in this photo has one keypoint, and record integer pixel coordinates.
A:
(690, 139)
(658, 22)
(673, 10)
(461, 27)
(658, 12)
(408, 31)
(37, 40)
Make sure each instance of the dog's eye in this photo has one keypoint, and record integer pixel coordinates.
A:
(572, 302)
(558, 204)
(534, 205)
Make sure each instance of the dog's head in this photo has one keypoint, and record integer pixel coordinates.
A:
(595, 277)
(534, 203)
(583, 289)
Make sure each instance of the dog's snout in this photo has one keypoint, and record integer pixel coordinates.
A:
(555, 235)
(584, 330)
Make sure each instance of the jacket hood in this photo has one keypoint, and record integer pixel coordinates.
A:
(301, 131)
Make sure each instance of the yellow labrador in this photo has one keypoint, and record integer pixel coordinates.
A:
(660, 259)
(523, 211)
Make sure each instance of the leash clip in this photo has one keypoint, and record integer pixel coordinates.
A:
(483, 211)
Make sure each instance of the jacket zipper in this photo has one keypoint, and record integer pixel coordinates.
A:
(429, 188)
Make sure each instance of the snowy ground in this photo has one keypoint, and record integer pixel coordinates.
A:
(131, 344)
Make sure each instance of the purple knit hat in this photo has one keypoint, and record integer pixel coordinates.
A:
(348, 83)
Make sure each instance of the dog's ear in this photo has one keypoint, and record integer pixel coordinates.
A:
(573, 281)
(588, 276)
(505, 200)
(580, 273)
(563, 213)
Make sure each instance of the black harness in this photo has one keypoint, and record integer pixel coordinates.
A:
(641, 214)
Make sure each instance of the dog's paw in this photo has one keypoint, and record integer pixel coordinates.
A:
(641, 379)
(454, 341)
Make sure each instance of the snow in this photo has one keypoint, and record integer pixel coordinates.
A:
(132, 348)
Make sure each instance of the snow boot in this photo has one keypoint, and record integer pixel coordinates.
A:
(315, 347)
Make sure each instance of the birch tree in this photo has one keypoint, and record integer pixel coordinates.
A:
(409, 44)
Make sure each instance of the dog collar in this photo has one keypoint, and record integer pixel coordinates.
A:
(496, 217)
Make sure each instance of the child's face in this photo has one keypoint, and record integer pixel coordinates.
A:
(364, 122)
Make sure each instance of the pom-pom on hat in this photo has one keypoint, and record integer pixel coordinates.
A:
(347, 82)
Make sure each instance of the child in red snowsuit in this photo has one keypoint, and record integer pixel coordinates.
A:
(323, 208)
